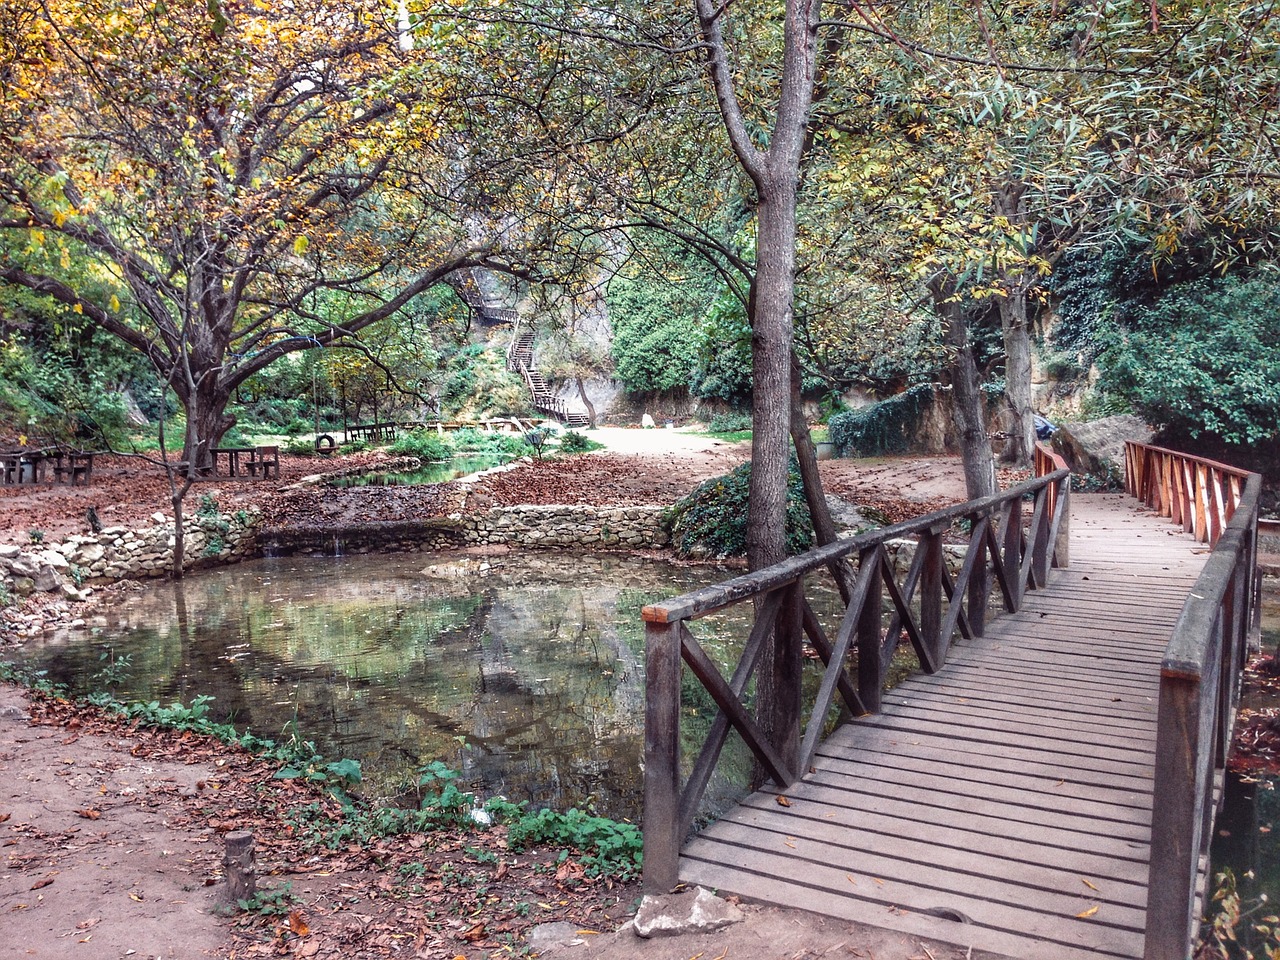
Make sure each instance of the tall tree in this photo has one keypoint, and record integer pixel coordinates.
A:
(222, 167)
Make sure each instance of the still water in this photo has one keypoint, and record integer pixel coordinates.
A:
(525, 673)
(1247, 837)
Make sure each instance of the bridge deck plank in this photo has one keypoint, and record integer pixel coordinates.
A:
(1002, 790)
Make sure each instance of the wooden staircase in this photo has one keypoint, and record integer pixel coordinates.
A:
(520, 360)
(467, 287)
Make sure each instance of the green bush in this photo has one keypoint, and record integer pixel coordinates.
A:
(735, 421)
(884, 427)
(715, 515)
(1205, 359)
(723, 352)
(505, 445)
(573, 442)
(426, 445)
(611, 848)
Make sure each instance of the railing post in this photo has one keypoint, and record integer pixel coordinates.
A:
(662, 757)
(1062, 546)
(1177, 819)
(931, 593)
(981, 579)
(1012, 554)
(1040, 542)
(788, 667)
(870, 649)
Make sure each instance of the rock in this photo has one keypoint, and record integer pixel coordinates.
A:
(845, 515)
(8, 551)
(88, 554)
(24, 586)
(1097, 447)
(694, 911)
(547, 936)
(52, 558)
(47, 579)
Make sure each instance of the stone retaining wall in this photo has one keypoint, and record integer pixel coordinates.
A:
(567, 527)
(119, 553)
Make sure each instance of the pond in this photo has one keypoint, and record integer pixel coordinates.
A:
(442, 472)
(524, 672)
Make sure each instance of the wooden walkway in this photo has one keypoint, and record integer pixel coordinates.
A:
(1003, 803)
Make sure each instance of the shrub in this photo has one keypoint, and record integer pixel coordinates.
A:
(715, 515)
(573, 442)
(426, 445)
(1204, 359)
(883, 427)
(735, 421)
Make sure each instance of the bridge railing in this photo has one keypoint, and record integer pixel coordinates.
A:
(1200, 494)
(928, 607)
(1199, 679)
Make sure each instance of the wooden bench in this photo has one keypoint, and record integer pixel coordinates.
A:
(267, 460)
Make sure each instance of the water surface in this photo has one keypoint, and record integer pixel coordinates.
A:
(525, 672)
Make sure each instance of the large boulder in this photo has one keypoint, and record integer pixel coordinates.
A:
(1097, 446)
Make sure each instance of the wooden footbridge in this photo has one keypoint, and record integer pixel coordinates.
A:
(1044, 785)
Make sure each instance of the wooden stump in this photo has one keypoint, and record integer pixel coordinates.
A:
(241, 871)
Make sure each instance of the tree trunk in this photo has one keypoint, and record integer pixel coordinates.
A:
(1017, 376)
(586, 402)
(967, 406)
(207, 421)
(771, 334)
(1018, 278)
(824, 530)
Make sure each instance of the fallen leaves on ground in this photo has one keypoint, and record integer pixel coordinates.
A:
(447, 893)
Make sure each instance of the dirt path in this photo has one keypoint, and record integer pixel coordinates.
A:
(92, 867)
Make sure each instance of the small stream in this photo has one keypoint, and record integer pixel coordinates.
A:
(1247, 837)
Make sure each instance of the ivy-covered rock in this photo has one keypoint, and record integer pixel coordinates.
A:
(712, 520)
(884, 427)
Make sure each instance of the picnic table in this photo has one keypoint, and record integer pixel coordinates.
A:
(232, 455)
(33, 466)
(248, 461)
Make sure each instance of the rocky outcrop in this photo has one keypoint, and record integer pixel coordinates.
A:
(1097, 446)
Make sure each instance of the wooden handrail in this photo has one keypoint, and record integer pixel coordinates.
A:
(1201, 495)
(928, 606)
(1199, 679)
(1046, 462)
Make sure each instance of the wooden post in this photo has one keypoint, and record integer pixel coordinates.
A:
(1062, 545)
(239, 866)
(931, 593)
(662, 757)
(1040, 541)
(981, 579)
(788, 666)
(1012, 558)
(1177, 820)
(870, 649)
